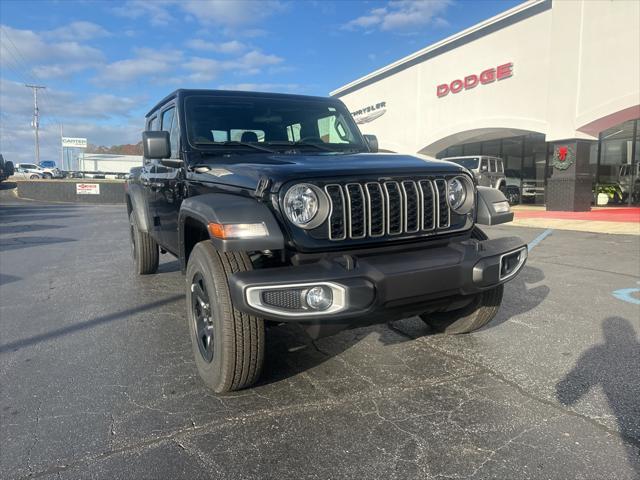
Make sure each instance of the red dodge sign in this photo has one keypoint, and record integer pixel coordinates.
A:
(470, 81)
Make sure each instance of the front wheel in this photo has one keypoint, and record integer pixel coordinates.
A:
(47, 176)
(482, 308)
(228, 345)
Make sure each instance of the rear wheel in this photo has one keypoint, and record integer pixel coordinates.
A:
(34, 177)
(144, 249)
(228, 345)
(480, 310)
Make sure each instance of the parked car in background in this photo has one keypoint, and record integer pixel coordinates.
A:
(48, 164)
(629, 182)
(488, 171)
(527, 189)
(46, 173)
(22, 174)
(6, 168)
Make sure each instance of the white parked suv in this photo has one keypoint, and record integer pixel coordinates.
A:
(46, 173)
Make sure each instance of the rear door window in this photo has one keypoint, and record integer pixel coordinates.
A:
(492, 165)
(167, 117)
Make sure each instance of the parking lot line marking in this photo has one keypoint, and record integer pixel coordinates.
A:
(626, 295)
(534, 243)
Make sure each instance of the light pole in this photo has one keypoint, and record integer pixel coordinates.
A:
(36, 117)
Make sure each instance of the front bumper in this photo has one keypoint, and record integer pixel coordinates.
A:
(370, 284)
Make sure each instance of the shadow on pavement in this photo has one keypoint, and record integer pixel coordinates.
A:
(24, 242)
(614, 367)
(27, 227)
(26, 342)
(295, 352)
(525, 298)
(4, 278)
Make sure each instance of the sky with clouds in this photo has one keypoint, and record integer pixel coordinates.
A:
(105, 63)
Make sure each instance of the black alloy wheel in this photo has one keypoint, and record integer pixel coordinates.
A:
(202, 317)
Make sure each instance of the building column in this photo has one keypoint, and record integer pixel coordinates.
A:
(569, 187)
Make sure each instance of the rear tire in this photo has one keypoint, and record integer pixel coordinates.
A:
(480, 311)
(228, 345)
(144, 249)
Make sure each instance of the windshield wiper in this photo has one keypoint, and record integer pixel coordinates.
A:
(236, 143)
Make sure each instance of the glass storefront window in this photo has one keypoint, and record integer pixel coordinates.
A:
(526, 162)
(491, 147)
(617, 172)
(471, 148)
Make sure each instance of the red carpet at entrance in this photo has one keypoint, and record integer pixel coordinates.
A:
(622, 214)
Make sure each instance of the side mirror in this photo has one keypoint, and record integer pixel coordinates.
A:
(156, 145)
(372, 141)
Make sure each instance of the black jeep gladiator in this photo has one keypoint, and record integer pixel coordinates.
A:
(280, 210)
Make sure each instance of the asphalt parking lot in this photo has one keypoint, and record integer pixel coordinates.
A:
(98, 380)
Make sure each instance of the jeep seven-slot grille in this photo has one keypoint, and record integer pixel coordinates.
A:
(374, 209)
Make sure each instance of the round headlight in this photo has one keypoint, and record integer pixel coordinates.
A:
(305, 205)
(460, 195)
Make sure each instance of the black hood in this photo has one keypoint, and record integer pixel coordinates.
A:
(245, 170)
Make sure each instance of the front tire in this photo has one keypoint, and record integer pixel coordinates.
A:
(228, 345)
(144, 249)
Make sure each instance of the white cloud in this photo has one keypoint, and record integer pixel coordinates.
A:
(77, 31)
(227, 13)
(231, 13)
(19, 49)
(231, 47)
(147, 62)
(402, 15)
(156, 12)
(208, 69)
(104, 119)
(16, 99)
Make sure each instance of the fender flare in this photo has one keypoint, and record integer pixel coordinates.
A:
(225, 208)
(486, 214)
(139, 206)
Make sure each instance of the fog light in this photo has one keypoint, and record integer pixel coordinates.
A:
(319, 298)
(501, 207)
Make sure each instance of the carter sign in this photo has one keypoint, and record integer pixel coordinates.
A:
(470, 81)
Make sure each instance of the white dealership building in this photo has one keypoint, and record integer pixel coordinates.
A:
(551, 86)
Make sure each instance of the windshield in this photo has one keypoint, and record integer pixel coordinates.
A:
(468, 163)
(214, 122)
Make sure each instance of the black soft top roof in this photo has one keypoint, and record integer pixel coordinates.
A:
(183, 92)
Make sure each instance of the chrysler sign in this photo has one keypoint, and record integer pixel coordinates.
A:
(489, 75)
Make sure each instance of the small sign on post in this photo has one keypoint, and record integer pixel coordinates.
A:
(74, 142)
(87, 188)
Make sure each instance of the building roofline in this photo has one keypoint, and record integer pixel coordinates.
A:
(493, 24)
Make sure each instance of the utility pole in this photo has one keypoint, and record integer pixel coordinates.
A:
(36, 117)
